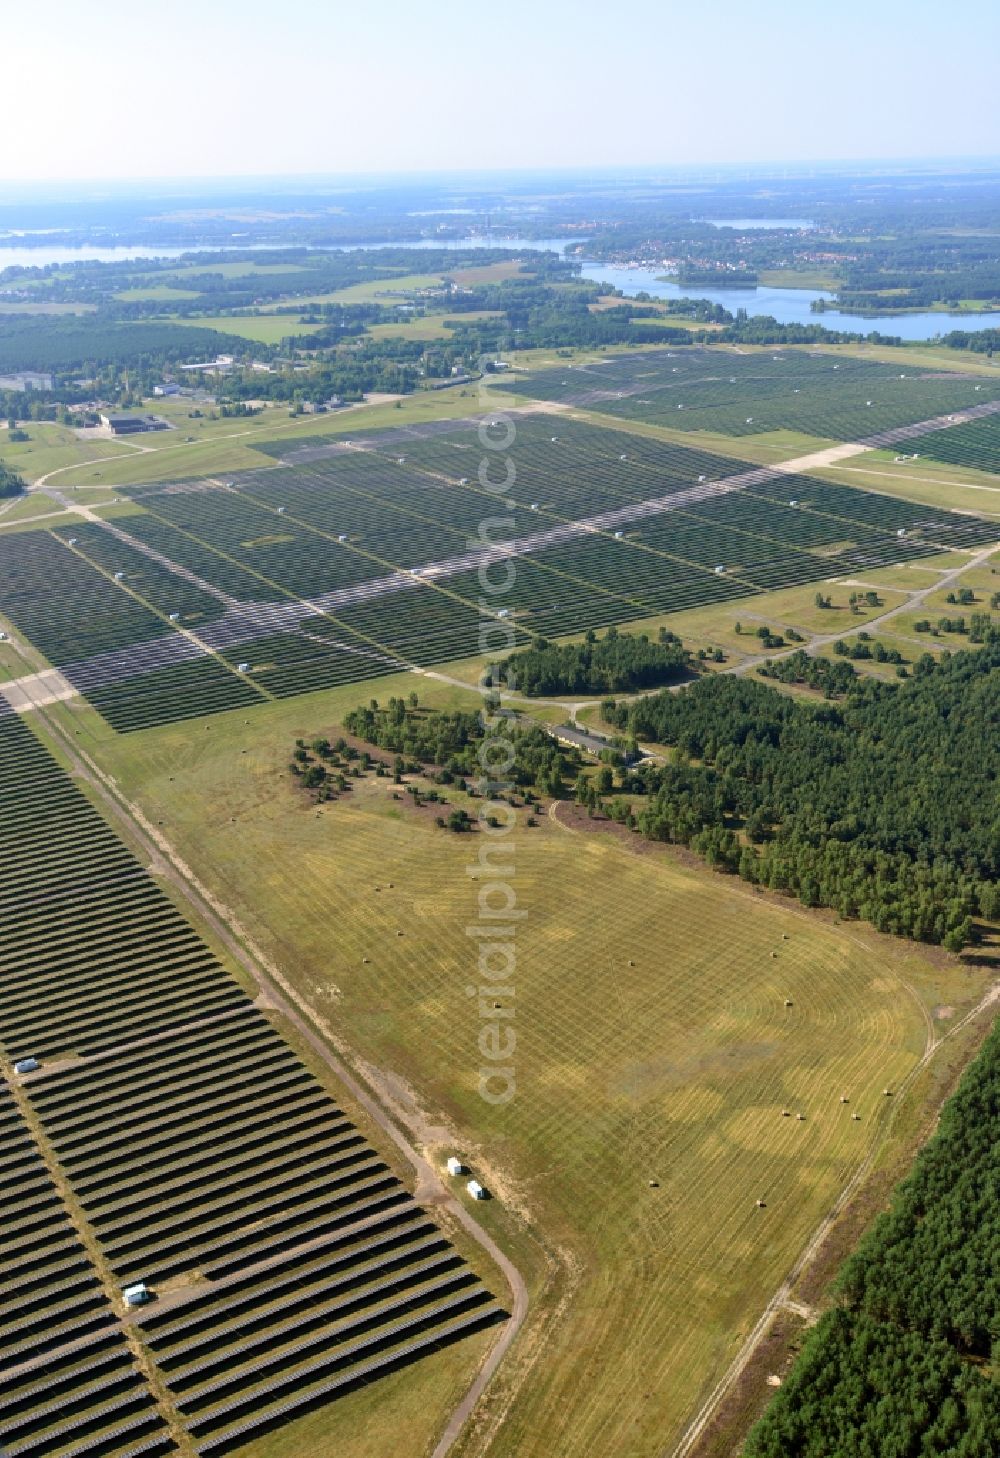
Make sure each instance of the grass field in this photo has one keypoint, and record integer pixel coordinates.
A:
(261, 328)
(52, 446)
(156, 293)
(427, 326)
(376, 289)
(797, 278)
(246, 269)
(490, 272)
(8, 307)
(653, 1044)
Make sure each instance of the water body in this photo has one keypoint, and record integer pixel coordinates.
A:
(453, 245)
(20, 257)
(14, 256)
(788, 306)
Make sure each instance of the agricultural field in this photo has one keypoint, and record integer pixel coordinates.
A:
(821, 393)
(654, 1044)
(205, 1158)
(352, 560)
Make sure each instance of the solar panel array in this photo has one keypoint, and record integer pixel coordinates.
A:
(203, 1154)
(829, 395)
(351, 563)
(68, 1379)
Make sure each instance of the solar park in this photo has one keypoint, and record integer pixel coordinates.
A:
(351, 560)
(172, 1136)
(741, 394)
(201, 1152)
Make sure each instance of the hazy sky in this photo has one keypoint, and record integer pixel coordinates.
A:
(254, 87)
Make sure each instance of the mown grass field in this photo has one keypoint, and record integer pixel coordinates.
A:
(377, 289)
(261, 328)
(427, 326)
(653, 1044)
(51, 446)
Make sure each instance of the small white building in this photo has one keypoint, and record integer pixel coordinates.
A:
(137, 1294)
(476, 1190)
(26, 1065)
(455, 1165)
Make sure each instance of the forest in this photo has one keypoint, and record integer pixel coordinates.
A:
(616, 663)
(897, 1366)
(882, 805)
(60, 342)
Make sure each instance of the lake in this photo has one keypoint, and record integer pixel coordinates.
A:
(788, 306)
(14, 256)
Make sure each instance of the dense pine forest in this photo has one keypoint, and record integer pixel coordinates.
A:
(897, 1368)
(883, 805)
(616, 663)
